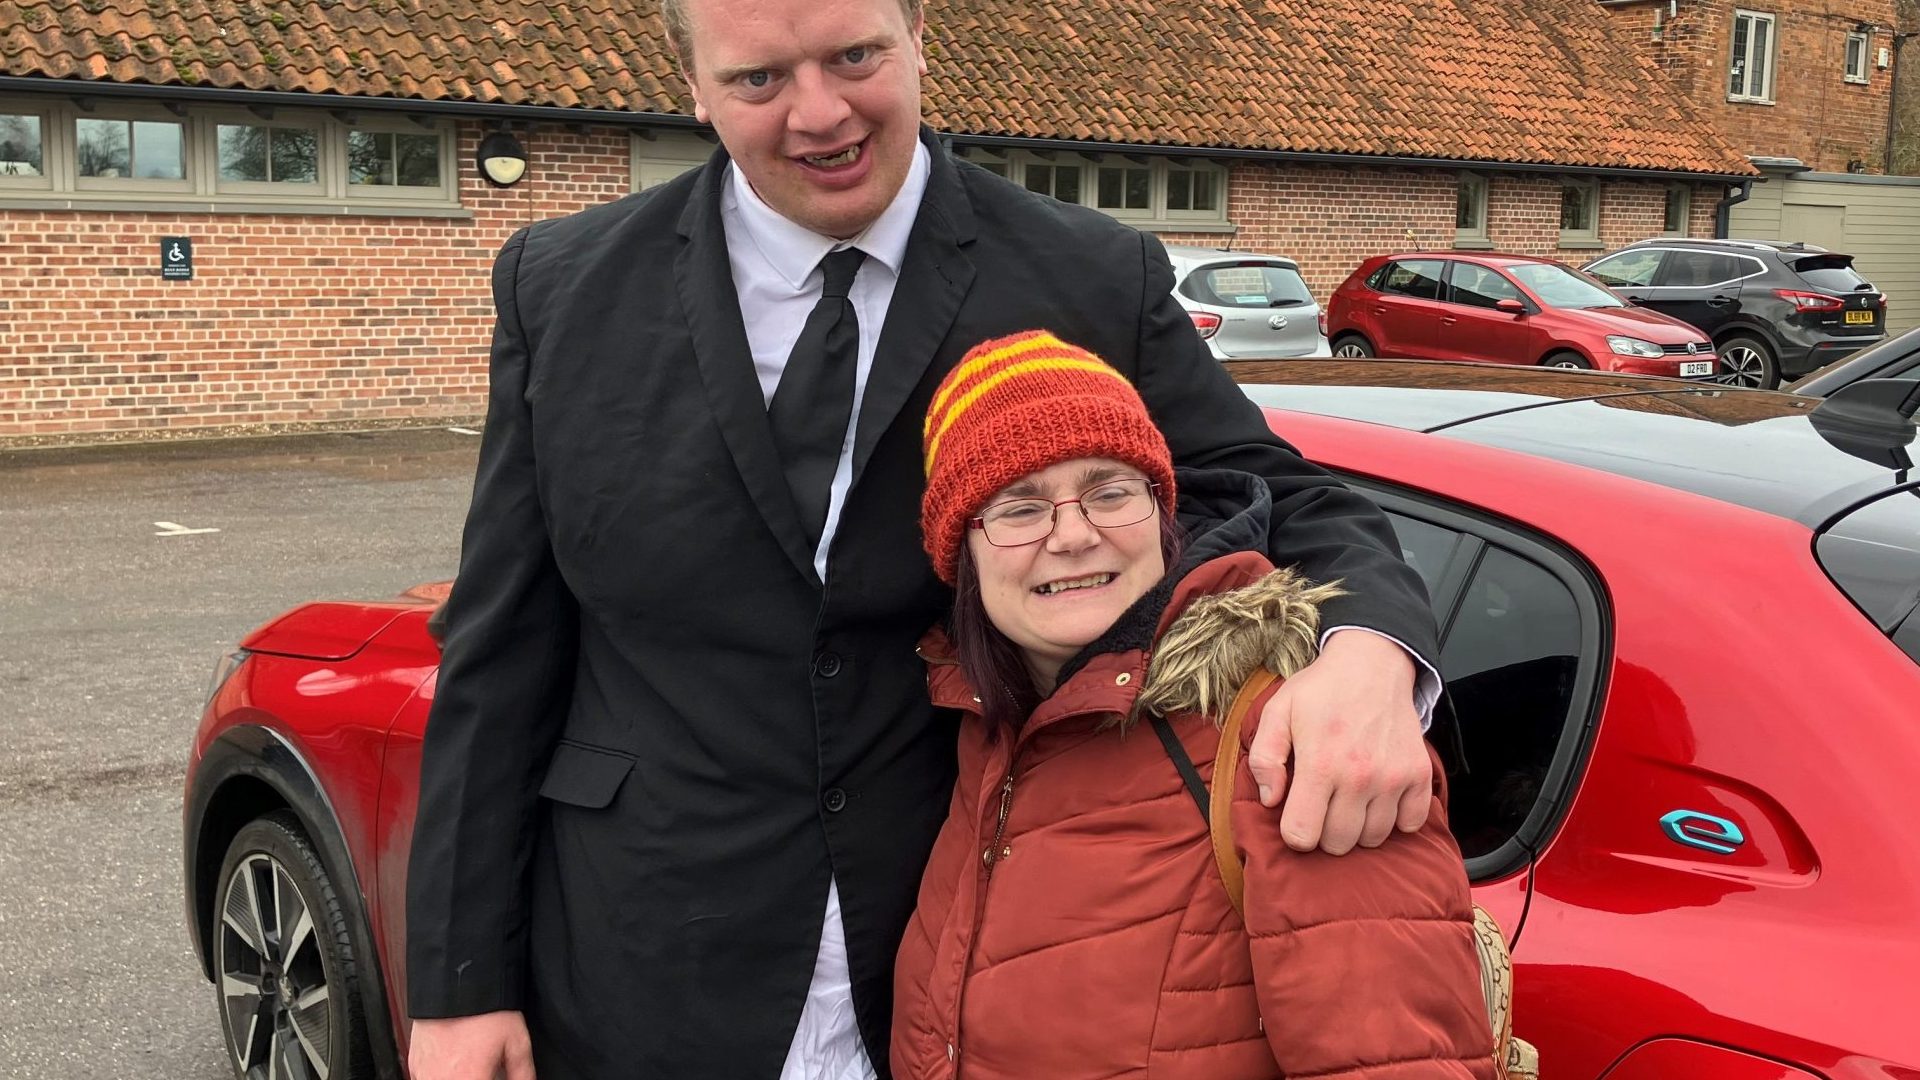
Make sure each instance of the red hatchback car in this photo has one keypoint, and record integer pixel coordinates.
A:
(1505, 309)
(1680, 727)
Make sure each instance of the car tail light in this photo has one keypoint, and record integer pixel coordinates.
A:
(1206, 322)
(1323, 322)
(1810, 301)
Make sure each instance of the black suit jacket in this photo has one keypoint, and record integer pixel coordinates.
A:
(656, 735)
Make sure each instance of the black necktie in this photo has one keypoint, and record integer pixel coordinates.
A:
(814, 400)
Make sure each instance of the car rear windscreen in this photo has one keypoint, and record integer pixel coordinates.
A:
(1873, 555)
(1833, 273)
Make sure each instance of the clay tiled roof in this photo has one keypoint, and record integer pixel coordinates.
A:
(1518, 81)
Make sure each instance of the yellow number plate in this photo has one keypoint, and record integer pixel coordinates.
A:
(1859, 317)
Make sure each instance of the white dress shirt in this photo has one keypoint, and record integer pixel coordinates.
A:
(776, 272)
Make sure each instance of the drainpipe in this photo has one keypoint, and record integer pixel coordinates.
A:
(1723, 213)
(1893, 101)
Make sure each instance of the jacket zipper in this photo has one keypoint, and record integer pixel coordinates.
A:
(999, 849)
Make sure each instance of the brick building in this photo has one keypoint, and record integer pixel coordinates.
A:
(320, 160)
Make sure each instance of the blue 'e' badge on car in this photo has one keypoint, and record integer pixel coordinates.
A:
(1703, 831)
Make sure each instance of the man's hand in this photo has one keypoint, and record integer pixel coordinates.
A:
(1361, 763)
(489, 1046)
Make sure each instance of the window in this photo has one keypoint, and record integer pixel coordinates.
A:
(1124, 188)
(1164, 192)
(1629, 269)
(658, 157)
(1679, 207)
(1750, 77)
(1060, 181)
(392, 159)
(1194, 190)
(1470, 210)
(1700, 269)
(220, 158)
(266, 154)
(1417, 278)
(1248, 285)
(22, 146)
(1856, 69)
(150, 152)
(1479, 286)
(1579, 212)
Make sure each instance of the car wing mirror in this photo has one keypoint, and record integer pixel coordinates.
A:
(1510, 306)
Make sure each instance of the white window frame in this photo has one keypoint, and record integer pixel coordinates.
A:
(1587, 237)
(1685, 191)
(202, 191)
(1156, 213)
(1474, 188)
(130, 113)
(50, 156)
(1849, 72)
(656, 160)
(1763, 95)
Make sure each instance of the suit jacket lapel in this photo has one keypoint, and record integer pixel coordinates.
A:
(704, 277)
(934, 278)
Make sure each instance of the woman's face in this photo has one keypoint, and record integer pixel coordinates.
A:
(1056, 595)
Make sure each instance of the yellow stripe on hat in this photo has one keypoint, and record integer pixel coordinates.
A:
(1014, 371)
(978, 364)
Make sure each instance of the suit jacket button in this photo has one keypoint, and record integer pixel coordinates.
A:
(834, 800)
(827, 665)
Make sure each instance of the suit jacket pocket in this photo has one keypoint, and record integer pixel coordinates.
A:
(585, 776)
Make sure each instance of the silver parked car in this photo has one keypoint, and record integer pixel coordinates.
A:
(1247, 306)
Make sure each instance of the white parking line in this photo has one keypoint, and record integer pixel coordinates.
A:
(168, 528)
(463, 431)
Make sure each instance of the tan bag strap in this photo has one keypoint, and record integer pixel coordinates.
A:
(1226, 768)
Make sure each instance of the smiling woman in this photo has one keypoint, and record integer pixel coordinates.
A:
(1081, 608)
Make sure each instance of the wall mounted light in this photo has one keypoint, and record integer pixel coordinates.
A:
(502, 160)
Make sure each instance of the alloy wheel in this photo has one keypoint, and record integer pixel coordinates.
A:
(1744, 366)
(1352, 350)
(273, 981)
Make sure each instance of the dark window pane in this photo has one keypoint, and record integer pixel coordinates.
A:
(1509, 660)
(1576, 208)
(418, 160)
(1426, 547)
(1478, 286)
(295, 155)
(103, 148)
(20, 152)
(1467, 209)
(1139, 189)
(369, 157)
(997, 168)
(159, 151)
(1066, 183)
(1206, 190)
(1762, 59)
(243, 152)
(1040, 178)
(1629, 268)
(1418, 278)
(1179, 189)
(1737, 80)
(1676, 213)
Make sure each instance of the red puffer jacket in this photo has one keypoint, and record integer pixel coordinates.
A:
(1072, 922)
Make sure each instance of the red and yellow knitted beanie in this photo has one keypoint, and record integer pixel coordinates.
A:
(1016, 405)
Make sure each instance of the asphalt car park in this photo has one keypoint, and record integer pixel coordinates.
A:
(110, 622)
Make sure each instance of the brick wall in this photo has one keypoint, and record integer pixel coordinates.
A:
(288, 319)
(1329, 219)
(1817, 116)
(358, 320)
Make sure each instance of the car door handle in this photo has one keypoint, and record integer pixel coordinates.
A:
(1379, 309)
(1720, 301)
(1448, 320)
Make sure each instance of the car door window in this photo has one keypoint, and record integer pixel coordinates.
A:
(1479, 286)
(1510, 657)
(1417, 278)
(1628, 269)
(1247, 286)
(1700, 269)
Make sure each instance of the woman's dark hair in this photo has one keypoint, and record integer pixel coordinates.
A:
(991, 662)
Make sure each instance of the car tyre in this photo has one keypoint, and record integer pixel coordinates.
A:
(1567, 359)
(1352, 347)
(1748, 361)
(284, 960)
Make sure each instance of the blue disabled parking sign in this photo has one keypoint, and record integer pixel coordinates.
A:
(176, 257)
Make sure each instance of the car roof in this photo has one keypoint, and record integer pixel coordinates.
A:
(1777, 246)
(1751, 448)
(1485, 258)
(1194, 254)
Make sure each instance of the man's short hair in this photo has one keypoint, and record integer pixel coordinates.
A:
(674, 13)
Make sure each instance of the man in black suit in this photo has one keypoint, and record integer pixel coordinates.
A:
(681, 774)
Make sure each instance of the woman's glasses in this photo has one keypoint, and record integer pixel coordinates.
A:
(1111, 504)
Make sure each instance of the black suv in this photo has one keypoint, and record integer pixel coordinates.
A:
(1774, 310)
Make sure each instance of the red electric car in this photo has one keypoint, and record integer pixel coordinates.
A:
(1505, 309)
(1682, 651)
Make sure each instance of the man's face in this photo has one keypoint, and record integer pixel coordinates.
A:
(817, 101)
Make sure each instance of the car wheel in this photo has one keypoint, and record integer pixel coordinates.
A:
(1563, 359)
(284, 958)
(1352, 347)
(1748, 362)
